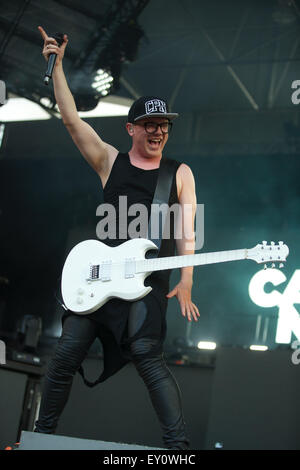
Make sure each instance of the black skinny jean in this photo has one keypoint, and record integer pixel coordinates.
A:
(77, 336)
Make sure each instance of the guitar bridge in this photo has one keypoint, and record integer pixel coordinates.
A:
(94, 272)
(100, 271)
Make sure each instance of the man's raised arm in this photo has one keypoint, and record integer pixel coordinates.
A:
(99, 154)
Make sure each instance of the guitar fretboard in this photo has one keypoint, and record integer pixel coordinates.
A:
(171, 262)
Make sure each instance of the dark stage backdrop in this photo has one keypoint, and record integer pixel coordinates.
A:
(48, 201)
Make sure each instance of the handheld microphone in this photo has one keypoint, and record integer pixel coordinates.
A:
(59, 37)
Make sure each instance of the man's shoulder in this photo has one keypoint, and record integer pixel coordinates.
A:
(184, 178)
(184, 170)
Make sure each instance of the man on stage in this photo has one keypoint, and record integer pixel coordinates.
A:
(129, 331)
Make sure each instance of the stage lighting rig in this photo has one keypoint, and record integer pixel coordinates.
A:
(110, 41)
(114, 44)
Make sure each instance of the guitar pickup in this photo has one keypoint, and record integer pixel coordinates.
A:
(130, 268)
(105, 271)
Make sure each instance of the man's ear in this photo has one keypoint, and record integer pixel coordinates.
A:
(129, 128)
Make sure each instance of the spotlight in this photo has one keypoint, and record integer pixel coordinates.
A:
(103, 82)
(207, 345)
(258, 347)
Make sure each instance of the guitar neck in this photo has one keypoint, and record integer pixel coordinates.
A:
(172, 262)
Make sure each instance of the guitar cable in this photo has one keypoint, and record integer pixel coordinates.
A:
(57, 298)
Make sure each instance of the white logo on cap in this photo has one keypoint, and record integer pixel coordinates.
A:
(155, 106)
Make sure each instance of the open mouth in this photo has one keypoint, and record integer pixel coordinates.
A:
(155, 143)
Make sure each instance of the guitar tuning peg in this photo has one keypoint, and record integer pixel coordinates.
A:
(272, 243)
(265, 266)
(273, 265)
(281, 265)
(264, 242)
(280, 243)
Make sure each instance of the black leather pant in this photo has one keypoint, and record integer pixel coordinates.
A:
(78, 335)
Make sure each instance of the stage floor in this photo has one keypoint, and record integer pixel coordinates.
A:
(38, 441)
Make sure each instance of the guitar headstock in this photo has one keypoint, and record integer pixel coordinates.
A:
(272, 253)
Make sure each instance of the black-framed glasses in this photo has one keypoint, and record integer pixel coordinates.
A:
(151, 127)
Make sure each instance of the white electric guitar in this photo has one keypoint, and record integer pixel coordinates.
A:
(93, 272)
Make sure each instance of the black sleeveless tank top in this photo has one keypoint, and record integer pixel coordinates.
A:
(138, 185)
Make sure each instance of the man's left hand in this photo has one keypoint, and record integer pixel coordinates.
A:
(183, 292)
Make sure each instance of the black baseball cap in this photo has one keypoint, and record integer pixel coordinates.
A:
(147, 106)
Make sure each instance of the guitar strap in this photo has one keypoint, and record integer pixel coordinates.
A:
(167, 171)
